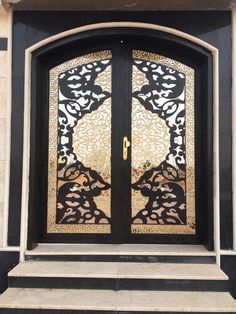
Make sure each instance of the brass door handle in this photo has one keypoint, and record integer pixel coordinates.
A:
(126, 145)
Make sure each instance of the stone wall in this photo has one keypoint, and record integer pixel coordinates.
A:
(4, 33)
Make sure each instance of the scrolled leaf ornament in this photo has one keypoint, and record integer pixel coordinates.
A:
(164, 185)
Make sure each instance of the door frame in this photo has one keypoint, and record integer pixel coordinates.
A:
(27, 113)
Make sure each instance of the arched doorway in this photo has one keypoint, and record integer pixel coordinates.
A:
(128, 119)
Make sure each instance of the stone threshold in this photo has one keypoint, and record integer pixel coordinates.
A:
(120, 249)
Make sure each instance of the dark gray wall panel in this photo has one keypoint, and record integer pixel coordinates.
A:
(31, 27)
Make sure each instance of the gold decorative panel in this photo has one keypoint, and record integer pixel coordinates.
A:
(92, 140)
(162, 146)
(163, 166)
(150, 140)
(79, 169)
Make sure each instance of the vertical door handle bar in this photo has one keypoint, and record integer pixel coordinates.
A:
(126, 145)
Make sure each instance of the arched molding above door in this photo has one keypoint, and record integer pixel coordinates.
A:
(61, 40)
(110, 25)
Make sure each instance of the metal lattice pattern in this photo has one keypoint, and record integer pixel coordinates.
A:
(160, 193)
(81, 100)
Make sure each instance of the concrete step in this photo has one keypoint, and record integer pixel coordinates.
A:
(18, 300)
(122, 252)
(118, 276)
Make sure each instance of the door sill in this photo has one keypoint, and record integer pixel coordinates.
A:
(120, 249)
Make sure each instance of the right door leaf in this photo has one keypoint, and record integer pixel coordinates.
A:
(163, 152)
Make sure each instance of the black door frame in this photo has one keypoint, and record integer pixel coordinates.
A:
(166, 44)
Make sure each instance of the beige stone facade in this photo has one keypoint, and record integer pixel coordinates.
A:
(4, 145)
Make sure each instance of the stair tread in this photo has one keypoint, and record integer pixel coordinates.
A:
(120, 249)
(135, 270)
(125, 300)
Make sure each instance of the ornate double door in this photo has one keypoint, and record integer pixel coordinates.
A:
(121, 158)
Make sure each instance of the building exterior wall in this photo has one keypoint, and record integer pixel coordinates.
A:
(32, 27)
(215, 28)
(7, 259)
(5, 21)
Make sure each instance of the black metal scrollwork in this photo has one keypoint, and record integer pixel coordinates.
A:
(164, 186)
(78, 185)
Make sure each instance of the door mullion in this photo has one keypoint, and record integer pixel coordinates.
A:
(121, 122)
